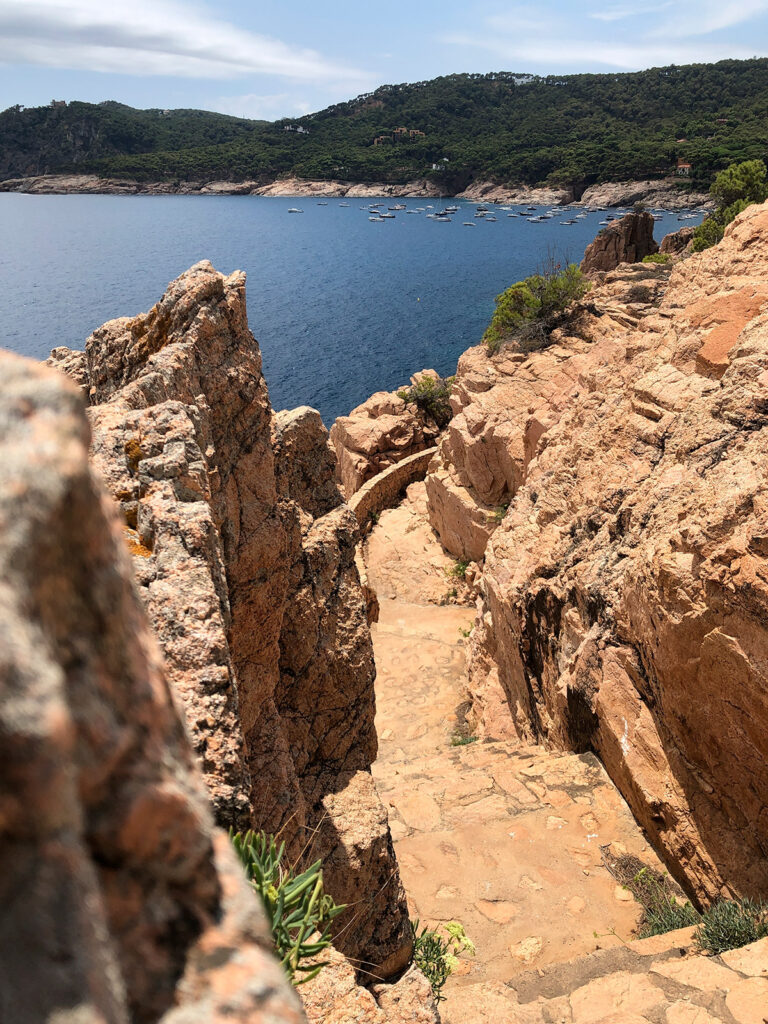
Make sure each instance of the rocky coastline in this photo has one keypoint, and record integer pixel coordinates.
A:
(665, 194)
(189, 645)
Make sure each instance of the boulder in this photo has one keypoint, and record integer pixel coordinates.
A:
(676, 241)
(628, 240)
(381, 432)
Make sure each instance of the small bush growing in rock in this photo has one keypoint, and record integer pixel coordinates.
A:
(657, 257)
(460, 740)
(436, 955)
(499, 512)
(730, 924)
(529, 311)
(459, 569)
(663, 911)
(640, 293)
(298, 910)
(432, 397)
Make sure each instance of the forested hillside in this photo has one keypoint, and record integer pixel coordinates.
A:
(562, 129)
(74, 136)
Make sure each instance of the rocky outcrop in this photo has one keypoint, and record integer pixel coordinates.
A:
(628, 240)
(624, 590)
(676, 241)
(503, 408)
(122, 903)
(91, 184)
(663, 194)
(354, 190)
(490, 192)
(381, 432)
(244, 553)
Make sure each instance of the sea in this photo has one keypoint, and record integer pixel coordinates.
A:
(341, 306)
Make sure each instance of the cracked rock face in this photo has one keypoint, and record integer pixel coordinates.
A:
(625, 588)
(244, 553)
(121, 901)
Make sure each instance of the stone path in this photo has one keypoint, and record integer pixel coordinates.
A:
(505, 839)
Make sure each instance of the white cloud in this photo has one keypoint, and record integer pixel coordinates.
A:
(150, 37)
(618, 12)
(557, 50)
(702, 17)
(671, 33)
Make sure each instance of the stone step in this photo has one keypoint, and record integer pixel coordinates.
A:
(661, 980)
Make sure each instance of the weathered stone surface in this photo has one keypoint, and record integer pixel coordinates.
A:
(627, 240)
(333, 997)
(625, 589)
(244, 552)
(120, 902)
(381, 432)
(505, 406)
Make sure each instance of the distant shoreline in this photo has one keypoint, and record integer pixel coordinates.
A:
(663, 193)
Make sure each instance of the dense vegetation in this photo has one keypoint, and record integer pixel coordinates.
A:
(574, 130)
(734, 189)
(76, 136)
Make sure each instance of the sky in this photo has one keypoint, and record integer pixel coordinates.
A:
(283, 58)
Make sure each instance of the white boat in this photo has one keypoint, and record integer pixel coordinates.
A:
(376, 219)
(295, 209)
(343, 204)
(469, 224)
(387, 216)
(322, 204)
(490, 220)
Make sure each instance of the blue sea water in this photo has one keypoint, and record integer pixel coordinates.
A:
(341, 307)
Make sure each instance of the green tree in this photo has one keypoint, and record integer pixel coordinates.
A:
(745, 181)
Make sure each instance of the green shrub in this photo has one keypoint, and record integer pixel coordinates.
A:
(459, 569)
(499, 512)
(432, 397)
(734, 189)
(529, 310)
(657, 257)
(437, 955)
(730, 924)
(459, 740)
(662, 910)
(298, 910)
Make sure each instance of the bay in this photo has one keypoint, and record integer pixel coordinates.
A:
(341, 306)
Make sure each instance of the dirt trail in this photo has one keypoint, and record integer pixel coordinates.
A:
(504, 838)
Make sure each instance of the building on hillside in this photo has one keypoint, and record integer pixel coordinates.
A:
(414, 133)
(400, 132)
(683, 168)
(382, 140)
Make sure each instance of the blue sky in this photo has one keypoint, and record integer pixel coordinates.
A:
(275, 59)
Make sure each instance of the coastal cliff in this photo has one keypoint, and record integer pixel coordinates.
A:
(612, 486)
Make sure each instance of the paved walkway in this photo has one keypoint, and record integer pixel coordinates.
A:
(505, 839)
